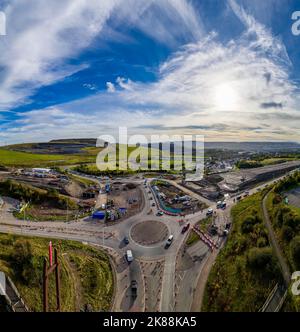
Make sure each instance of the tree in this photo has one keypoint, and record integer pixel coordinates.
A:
(295, 251)
(22, 257)
(248, 224)
(287, 233)
(262, 260)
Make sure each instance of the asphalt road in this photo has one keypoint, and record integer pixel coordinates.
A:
(112, 236)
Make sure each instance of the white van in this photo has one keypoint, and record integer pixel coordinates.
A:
(129, 256)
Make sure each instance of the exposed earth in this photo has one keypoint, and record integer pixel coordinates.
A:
(149, 232)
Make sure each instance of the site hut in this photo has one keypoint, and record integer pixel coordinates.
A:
(43, 172)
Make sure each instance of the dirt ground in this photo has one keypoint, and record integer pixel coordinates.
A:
(125, 197)
(149, 232)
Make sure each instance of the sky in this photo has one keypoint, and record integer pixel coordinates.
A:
(225, 69)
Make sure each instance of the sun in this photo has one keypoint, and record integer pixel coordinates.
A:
(225, 97)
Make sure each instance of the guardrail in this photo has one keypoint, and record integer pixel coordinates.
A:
(13, 298)
(278, 294)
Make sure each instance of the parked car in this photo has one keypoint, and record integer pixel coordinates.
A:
(159, 213)
(169, 241)
(185, 228)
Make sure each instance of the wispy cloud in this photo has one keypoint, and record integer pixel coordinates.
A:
(207, 86)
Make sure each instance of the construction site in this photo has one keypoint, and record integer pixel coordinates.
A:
(216, 186)
(50, 194)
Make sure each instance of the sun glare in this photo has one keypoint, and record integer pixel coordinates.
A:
(225, 97)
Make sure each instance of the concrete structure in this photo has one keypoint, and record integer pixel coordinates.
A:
(242, 179)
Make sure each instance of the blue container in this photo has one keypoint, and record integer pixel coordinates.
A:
(99, 215)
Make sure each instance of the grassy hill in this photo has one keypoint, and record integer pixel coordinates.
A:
(86, 273)
(245, 270)
(24, 159)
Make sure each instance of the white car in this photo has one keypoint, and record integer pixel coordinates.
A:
(129, 256)
(209, 212)
(169, 241)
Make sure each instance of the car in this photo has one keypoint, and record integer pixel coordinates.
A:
(209, 212)
(219, 204)
(129, 256)
(151, 198)
(159, 213)
(134, 288)
(153, 204)
(169, 241)
(126, 240)
(185, 228)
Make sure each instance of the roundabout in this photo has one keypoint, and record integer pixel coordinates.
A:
(149, 233)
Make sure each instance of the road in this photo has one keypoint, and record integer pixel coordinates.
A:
(111, 237)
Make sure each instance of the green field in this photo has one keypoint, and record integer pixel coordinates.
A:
(86, 273)
(245, 270)
(244, 164)
(23, 159)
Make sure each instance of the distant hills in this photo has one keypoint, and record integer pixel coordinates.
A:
(83, 145)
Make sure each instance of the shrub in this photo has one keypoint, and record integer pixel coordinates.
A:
(295, 251)
(261, 260)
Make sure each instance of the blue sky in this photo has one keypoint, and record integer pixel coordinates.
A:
(225, 69)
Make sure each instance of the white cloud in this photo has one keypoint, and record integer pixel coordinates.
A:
(43, 35)
(110, 87)
(248, 74)
(40, 37)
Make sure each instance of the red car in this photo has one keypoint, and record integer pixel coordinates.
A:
(185, 228)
